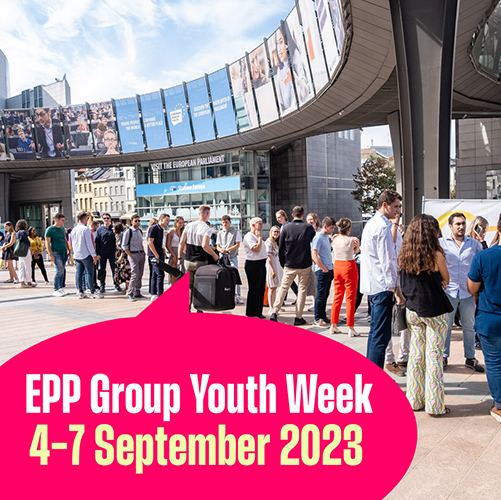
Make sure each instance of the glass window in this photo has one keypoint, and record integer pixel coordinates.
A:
(263, 182)
(196, 199)
(247, 183)
(263, 195)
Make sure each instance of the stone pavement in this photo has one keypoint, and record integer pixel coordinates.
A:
(457, 457)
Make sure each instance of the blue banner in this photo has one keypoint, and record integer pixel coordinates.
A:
(222, 103)
(201, 114)
(202, 186)
(152, 111)
(177, 116)
(129, 126)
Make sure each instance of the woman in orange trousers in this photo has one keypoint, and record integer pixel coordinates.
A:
(345, 276)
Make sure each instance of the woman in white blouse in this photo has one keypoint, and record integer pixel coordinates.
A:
(255, 268)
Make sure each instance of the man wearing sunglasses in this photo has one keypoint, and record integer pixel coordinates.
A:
(106, 247)
(132, 244)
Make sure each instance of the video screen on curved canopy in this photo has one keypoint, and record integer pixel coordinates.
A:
(129, 125)
(242, 93)
(201, 113)
(222, 103)
(326, 28)
(298, 57)
(177, 116)
(103, 128)
(19, 137)
(155, 130)
(313, 43)
(263, 85)
(281, 71)
(76, 128)
(50, 139)
(338, 20)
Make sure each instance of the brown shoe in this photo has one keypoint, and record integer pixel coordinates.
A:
(395, 369)
(402, 364)
(496, 413)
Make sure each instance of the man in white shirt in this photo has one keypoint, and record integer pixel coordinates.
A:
(378, 273)
(85, 257)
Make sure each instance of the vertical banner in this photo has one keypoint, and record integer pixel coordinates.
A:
(263, 86)
(152, 111)
(201, 113)
(242, 93)
(298, 57)
(313, 43)
(177, 116)
(282, 74)
(76, 129)
(337, 14)
(102, 123)
(326, 28)
(222, 103)
(49, 133)
(129, 125)
(19, 141)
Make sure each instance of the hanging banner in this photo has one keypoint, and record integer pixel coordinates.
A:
(338, 20)
(201, 114)
(102, 121)
(177, 116)
(155, 130)
(76, 128)
(242, 93)
(222, 103)
(129, 125)
(328, 38)
(49, 133)
(19, 137)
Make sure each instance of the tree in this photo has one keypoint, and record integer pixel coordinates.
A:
(375, 175)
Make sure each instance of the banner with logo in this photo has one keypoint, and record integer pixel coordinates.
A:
(177, 116)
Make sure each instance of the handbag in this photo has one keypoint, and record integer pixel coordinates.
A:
(20, 248)
(399, 321)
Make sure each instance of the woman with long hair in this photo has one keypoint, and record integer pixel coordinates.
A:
(8, 243)
(477, 230)
(274, 271)
(122, 265)
(345, 276)
(24, 262)
(172, 244)
(423, 276)
(36, 254)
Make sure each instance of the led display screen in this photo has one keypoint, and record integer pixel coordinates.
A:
(242, 93)
(201, 113)
(19, 141)
(177, 116)
(155, 130)
(222, 103)
(326, 28)
(129, 125)
(102, 126)
(76, 128)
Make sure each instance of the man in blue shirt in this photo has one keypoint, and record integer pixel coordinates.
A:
(484, 283)
(324, 269)
(459, 253)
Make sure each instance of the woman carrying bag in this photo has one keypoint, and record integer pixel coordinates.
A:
(23, 252)
(36, 247)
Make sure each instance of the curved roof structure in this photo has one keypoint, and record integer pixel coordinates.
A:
(362, 92)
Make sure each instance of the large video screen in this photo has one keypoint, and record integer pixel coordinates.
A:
(222, 103)
(313, 43)
(177, 116)
(129, 125)
(102, 125)
(242, 93)
(298, 57)
(19, 140)
(327, 30)
(76, 127)
(263, 85)
(155, 130)
(338, 20)
(281, 71)
(49, 135)
(201, 113)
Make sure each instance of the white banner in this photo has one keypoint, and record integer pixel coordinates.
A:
(442, 209)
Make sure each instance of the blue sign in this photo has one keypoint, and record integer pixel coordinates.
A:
(129, 125)
(177, 116)
(155, 129)
(202, 186)
(222, 103)
(201, 114)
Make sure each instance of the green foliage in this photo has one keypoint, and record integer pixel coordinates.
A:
(371, 179)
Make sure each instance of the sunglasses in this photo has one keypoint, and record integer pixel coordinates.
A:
(106, 218)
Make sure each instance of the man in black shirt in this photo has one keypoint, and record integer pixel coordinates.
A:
(106, 246)
(295, 256)
(156, 250)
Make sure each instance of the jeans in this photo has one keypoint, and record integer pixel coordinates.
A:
(324, 282)
(467, 310)
(157, 278)
(60, 259)
(491, 347)
(234, 263)
(380, 329)
(102, 265)
(85, 266)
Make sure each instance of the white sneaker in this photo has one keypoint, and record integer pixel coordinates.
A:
(64, 292)
(334, 329)
(33, 284)
(16, 281)
(239, 300)
(311, 309)
(58, 293)
(353, 333)
(153, 298)
(96, 296)
(88, 292)
(81, 296)
(321, 323)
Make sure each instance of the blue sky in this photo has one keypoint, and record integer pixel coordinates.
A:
(117, 48)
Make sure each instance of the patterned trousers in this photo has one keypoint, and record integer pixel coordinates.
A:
(425, 374)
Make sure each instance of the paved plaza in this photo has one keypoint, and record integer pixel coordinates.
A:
(457, 457)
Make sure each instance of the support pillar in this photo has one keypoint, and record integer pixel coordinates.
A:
(425, 35)
(4, 197)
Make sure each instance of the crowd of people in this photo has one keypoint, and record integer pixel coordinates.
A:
(414, 279)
